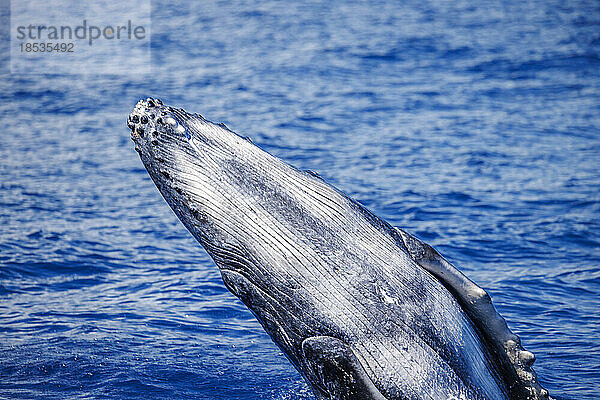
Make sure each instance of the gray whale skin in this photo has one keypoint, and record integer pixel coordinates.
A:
(362, 309)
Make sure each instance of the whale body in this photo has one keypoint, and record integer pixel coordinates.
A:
(362, 309)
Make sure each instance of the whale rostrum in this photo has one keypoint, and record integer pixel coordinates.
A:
(362, 309)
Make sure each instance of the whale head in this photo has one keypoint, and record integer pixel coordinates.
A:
(190, 160)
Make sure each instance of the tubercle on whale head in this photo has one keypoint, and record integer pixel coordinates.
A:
(150, 120)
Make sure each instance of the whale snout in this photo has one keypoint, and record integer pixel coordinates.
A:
(162, 136)
(145, 111)
(151, 122)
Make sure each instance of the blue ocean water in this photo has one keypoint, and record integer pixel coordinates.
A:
(474, 125)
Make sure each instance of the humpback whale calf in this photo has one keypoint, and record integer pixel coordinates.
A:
(362, 309)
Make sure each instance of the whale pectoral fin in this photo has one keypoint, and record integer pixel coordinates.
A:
(513, 361)
(337, 371)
